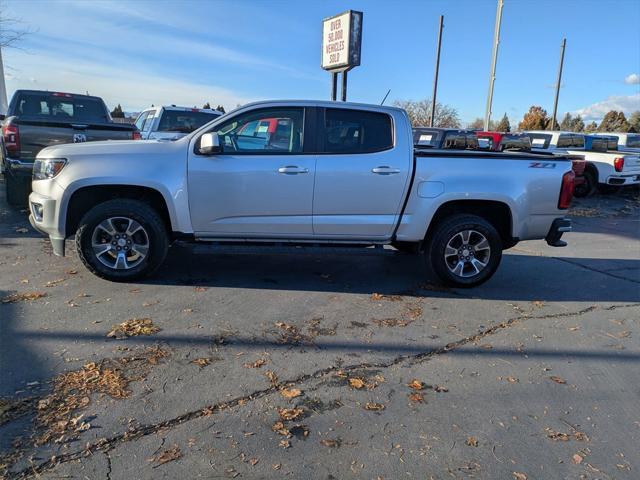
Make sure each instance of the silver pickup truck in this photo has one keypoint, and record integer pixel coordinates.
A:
(299, 172)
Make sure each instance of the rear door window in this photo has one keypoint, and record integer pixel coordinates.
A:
(61, 107)
(356, 131)
(140, 120)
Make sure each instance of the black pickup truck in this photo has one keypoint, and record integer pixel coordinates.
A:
(36, 119)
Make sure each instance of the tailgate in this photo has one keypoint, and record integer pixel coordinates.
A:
(36, 135)
(631, 164)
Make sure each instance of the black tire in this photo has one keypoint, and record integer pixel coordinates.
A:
(449, 230)
(17, 190)
(589, 186)
(153, 228)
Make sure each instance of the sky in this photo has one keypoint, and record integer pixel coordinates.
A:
(188, 52)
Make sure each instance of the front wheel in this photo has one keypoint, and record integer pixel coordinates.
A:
(122, 240)
(465, 251)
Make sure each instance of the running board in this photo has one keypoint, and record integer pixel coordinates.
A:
(307, 249)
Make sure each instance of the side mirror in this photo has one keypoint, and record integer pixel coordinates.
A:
(209, 144)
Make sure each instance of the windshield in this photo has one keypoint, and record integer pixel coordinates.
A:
(61, 107)
(184, 122)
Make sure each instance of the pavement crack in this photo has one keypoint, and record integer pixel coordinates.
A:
(107, 444)
(108, 457)
(613, 275)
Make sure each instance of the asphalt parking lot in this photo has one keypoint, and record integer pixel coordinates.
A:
(325, 366)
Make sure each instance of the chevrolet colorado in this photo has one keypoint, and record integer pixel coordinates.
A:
(328, 173)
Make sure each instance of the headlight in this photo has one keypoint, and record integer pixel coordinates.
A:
(44, 168)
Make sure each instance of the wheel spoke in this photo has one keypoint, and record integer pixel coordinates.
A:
(465, 234)
(133, 227)
(450, 252)
(142, 250)
(121, 262)
(458, 268)
(482, 245)
(108, 226)
(477, 265)
(100, 248)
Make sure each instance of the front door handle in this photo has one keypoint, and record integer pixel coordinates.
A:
(385, 170)
(292, 170)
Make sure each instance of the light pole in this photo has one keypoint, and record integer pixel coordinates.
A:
(435, 79)
(555, 101)
(494, 60)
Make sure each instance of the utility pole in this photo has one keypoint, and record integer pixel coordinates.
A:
(494, 60)
(435, 79)
(3, 89)
(555, 102)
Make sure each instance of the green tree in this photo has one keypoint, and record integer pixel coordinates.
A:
(220, 108)
(117, 112)
(503, 125)
(578, 124)
(572, 124)
(614, 122)
(566, 122)
(419, 112)
(207, 106)
(634, 122)
(535, 119)
(592, 127)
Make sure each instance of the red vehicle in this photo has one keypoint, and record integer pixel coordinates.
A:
(501, 141)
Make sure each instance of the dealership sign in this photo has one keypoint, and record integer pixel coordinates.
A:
(341, 40)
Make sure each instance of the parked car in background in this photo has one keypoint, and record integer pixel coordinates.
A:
(171, 122)
(336, 174)
(626, 142)
(606, 169)
(36, 119)
(453, 138)
(503, 141)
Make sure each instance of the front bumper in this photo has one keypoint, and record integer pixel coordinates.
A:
(44, 218)
(558, 227)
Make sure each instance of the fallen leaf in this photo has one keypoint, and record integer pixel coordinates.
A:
(169, 455)
(279, 427)
(23, 297)
(374, 406)
(290, 413)
(416, 384)
(285, 443)
(380, 296)
(357, 383)
(417, 397)
(257, 364)
(519, 476)
(332, 443)
(53, 283)
(557, 379)
(133, 327)
(276, 466)
(472, 441)
(512, 380)
(576, 459)
(253, 461)
(440, 388)
(202, 362)
(538, 303)
(273, 378)
(71, 272)
(290, 392)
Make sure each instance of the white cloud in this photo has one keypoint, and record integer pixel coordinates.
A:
(624, 103)
(632, 79)
(133, 89)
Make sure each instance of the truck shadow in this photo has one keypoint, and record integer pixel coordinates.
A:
(519, 278)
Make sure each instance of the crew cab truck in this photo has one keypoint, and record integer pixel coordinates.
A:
(171, 122)
(626, 142)
(36, 119)
(435, 137)
(336, 173)
(606, 169)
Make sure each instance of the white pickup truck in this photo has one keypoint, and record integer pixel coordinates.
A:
(302, 173)
(626, 142)
(605, 169)
(171, 122)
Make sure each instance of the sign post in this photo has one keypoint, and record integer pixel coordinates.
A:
(341, 45)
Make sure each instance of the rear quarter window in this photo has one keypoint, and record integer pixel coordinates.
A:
(356, 131)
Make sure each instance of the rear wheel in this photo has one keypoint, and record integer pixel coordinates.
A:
(122, 240)
(465, 251)
(588, 187)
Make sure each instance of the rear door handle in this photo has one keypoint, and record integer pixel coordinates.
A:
(385, 170)
(292, 170)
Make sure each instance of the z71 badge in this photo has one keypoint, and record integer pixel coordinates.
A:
(542, 165)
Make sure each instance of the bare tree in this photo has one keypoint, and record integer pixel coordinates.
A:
(419, 112)
(12, 30)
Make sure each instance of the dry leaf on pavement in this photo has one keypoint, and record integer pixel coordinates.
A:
(416, 384)
(472, 441)
(519, 476)
(290, 392)
(333, 443)
(357, 383)
(201, 362)
(290, 413)
(374, 406)
(133, 327)
(257, 364)
(169, 455)
(577, 459)
(22, 297)
(512, 380)
(416, 397)
(557, 379)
